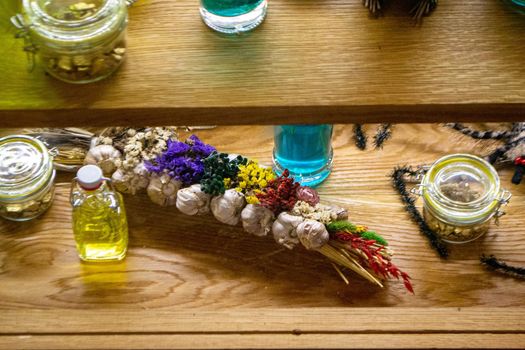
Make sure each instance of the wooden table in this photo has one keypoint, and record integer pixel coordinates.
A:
(311, 61)
(194, 283)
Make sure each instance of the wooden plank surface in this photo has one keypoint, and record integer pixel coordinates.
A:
(311, 61)
(191, 282)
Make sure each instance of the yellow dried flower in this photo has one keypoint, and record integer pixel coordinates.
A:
(252, 200)
(251, 179)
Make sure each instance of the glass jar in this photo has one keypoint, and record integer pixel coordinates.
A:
(233, 16)
(461, 194)
(26, 178)
(75, 41)
(305, 150)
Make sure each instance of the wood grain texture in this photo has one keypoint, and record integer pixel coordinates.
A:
(194, 283)
(311, 61)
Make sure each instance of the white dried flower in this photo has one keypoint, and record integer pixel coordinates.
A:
(312, 234)
(227, 207)
(257, 219)
(284, 229)
(322, 213)
(163, 189)
(193, 201)
(104, 156)
(131, 132)
(106, 141)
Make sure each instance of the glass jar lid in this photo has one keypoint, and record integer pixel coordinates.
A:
(25, 167)
(77, 24)
(462, 189)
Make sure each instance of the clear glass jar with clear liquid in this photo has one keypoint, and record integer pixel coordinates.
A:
(99, 218)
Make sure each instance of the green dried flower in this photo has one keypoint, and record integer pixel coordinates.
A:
(346, 226)
(217, 167)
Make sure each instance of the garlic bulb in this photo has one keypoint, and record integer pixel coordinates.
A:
(284, 229)
(312, 234)
(162, 189)
(227, 207)
(193, 201)
(131, 181)
(106, 157)
(257, 219)
(339, 212)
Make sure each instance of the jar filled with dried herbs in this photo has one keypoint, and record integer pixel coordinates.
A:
(461, 194)
(26, 178)
(75, 41)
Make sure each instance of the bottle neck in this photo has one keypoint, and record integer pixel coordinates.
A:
(100, 188)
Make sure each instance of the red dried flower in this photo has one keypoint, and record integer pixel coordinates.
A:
(280, 194)
(370, 256)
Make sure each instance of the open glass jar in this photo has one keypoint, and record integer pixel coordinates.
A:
(26, 178)
(77, 41)
(461, 194)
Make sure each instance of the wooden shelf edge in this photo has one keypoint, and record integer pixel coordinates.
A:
(327, 328)
(424, 113)
(257, 320)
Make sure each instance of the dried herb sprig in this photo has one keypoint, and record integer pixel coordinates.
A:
(217, 168)
(374, 6)
(365, 257)
(399, 184)
(499, 266)
(423, 8)
(420, 9)
(362, 231)
(359, 136)
(384, 132)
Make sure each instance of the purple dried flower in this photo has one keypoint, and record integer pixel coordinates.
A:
(308, 195)
(182, 160)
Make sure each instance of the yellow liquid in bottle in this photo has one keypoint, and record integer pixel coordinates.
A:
(101, 232)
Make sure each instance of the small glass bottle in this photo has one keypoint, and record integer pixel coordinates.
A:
(461, 194)
(26, 178)
(305, 150)
(233, 16)
(77, 41)
(99, 218)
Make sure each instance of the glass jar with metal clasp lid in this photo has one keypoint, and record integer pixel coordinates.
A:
(76, 41)
(26, 178)
(461, 194)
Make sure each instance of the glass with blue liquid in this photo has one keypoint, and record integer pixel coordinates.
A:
(519, 5)
(305, 150)
(233, 16)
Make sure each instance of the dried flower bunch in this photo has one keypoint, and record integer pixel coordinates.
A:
(184, 161)
(122, 154)
(197, 179)
(251, 179)
(219, 169)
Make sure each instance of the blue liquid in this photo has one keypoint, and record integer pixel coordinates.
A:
(519, 2)
(305, 150)
(230, 8)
